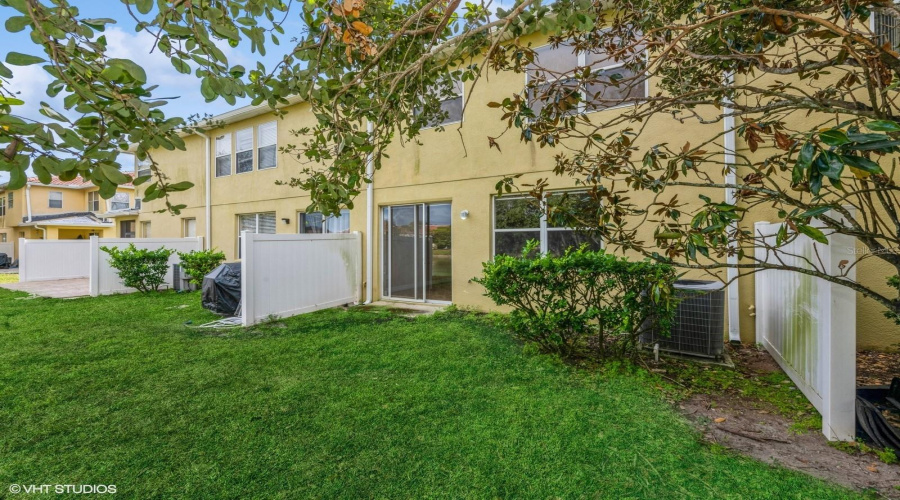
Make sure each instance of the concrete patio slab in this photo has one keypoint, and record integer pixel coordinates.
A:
(55, 289)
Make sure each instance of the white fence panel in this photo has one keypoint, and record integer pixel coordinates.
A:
(105, 280)
(289, 274)
(45, 260)
(808, 324)
(8, 248)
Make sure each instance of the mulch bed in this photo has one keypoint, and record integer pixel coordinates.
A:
(877, 368)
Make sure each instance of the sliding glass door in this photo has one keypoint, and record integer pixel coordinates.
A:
(416, 250)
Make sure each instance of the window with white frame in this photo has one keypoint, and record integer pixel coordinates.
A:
(189, 228)
(120, 201)
(223, 155)
(55, 198)
(261, 223)
(145, 229)
(315, 223)
(10, 199)
(94, 201)
(243, 150)
(137, 203)
(553, 69)
(519, 219)
(2, 206)
(267, 145)
(143, 168)
(451, 104)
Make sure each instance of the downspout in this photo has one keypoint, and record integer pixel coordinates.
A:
(28, 200)
(28, 209)
(208, 240)
(734, 303)
(370, 219)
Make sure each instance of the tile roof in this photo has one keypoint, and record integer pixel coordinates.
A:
(68, 219)
(76, 183)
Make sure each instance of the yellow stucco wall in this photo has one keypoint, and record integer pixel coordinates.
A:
(450, 166)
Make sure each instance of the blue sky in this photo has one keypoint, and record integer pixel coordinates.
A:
(123, 42)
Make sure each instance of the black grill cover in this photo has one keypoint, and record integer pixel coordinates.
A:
(222, 289)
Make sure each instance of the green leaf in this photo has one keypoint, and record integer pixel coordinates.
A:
(143, 6)
(11, 101)
(862, 163)
(829, 164)
(114, 174)
(131, 68)
(16, 24)
(813, 233)
(181, 66)
(814, 212)
(180, 186)
(5, 72)
(19, 59)
(883, 126)
(834, 137)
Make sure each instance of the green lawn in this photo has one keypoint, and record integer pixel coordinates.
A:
(118, 390)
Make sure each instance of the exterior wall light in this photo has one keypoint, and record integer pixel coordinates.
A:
(286, 220)
(464, 215)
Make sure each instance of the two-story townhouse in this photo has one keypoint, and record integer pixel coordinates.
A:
(432, 214)
(64, 210)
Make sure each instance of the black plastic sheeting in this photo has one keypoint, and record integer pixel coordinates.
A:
(222, 289)
(5, 261)
(871, 402)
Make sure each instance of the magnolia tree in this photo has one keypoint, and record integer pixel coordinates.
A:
(810, 86)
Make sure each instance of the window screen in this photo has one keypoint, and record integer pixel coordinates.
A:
(94, 201)
(451, 104)
(518, 220)
(223, 155)
(143, 168)
(2, 207)
(887, 29)
(244, 150)
(120, 202)
(268, 145)
(56, 199)
(315, 223)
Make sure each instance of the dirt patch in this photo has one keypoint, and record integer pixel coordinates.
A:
(877, 368)
(764, 435)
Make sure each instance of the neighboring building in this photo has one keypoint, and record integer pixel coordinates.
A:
(64, 210)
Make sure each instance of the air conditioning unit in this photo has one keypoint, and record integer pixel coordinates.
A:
(699, 325)
(181, 282)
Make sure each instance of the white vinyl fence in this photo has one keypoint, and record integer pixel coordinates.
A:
(8, 248)
(289, 274)
(105, 280)
(809, 324)
(46, 260)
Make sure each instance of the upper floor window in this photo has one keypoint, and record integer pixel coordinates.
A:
(10, 200)
(94, 201)
(518, 219)
(137, 203)
(552, 71)
(55, 199)
(315, 223)
(2, 206)
(120, 201)
(244, 150)
(143, 168)
(451, 104)
(267, 144)
(223, 155)
(887, 28)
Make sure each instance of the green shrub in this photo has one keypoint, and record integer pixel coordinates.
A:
(199, 263)
(582, 304)
(140, 268)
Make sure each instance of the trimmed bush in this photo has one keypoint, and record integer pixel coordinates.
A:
(582, 304)
(199, 263)
(140, 268)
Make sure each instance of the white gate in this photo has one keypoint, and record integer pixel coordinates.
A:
(46, 260)
(809, 324)
(290, 274)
